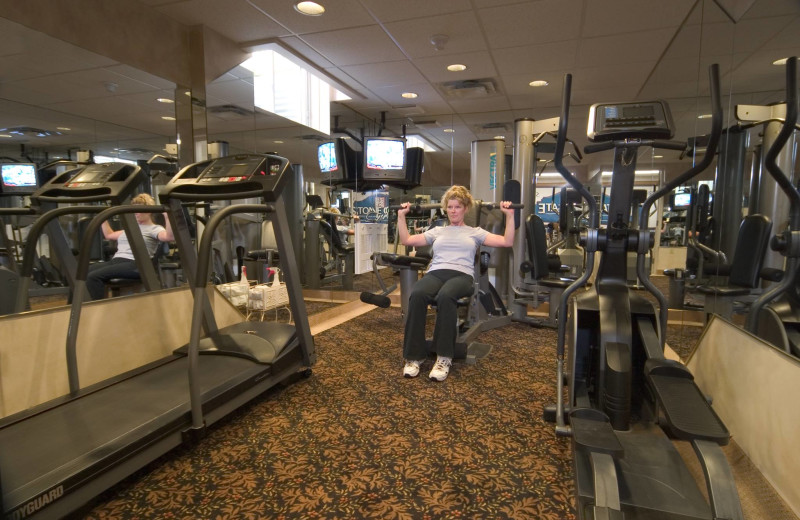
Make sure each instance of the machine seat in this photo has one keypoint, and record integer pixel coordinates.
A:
(729, 290)
(398, 261)
(688, 416)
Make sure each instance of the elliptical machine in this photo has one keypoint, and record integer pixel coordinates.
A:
(625, 398)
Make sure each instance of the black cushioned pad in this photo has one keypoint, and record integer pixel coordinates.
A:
(403, 260)
(262, 341)
(688, 414)
(592, 431)
(724, 291)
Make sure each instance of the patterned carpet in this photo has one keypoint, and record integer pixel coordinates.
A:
(356, 440)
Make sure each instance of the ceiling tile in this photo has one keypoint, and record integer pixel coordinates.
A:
(535, 59)
(607, 17)
(341, 14)
(532, 23)
(414, 36)
(641, 46)
(479, 65)
(356, 46)
(418, 9)
(385, 74)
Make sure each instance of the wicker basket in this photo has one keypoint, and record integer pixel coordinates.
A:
(264, 297)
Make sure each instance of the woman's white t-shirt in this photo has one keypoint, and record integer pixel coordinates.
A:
(454, 247)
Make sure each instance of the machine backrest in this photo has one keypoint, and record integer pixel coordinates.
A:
(536, 242)
(751, 246)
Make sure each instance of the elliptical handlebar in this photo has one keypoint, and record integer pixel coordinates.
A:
(561, 427)
(708, 157)
(789, 125)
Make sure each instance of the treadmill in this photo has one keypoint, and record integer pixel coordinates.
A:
(56, 457)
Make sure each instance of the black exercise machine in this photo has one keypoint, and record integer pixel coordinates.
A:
(625, 398)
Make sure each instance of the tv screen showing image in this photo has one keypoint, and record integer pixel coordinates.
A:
(326, 154)
(384, 158)
(682, 200)
(18, 178)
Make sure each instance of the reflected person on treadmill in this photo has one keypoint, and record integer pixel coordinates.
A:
(122, 264)
(448, 278)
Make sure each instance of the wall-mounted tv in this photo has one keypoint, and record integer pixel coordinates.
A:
(384, 158)
(328, 162)
(337, 161)
(18, 178)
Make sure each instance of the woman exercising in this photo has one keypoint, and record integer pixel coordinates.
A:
(448, 278)
(123, 265)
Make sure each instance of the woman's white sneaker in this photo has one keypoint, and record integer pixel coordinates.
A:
(411, 369)
(441, 368)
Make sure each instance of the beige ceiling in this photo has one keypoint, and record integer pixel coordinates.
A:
(377, 49)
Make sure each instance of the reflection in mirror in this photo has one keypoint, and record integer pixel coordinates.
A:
(715, 232)
(61, 104)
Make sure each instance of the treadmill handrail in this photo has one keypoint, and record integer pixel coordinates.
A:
(34, 233)
(199, 294)
(81, 274)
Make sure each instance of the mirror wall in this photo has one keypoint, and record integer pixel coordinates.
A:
(708, 36)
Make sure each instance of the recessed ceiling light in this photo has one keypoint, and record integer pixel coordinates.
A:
(409, 95)
(781, 61)
(456, 67)
(658, 157)
(538, 83)
(309, 8)
(168, 118)
(500, 137)
(63, 128)
(704, 116)
(164, 100)
(6, 135)
(278, 142)
(448, 130)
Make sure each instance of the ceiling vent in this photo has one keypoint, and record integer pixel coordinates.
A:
(468, 88)
(230, 112)
(426, 123)
(497, 126)
(408, 110)
(312, 137)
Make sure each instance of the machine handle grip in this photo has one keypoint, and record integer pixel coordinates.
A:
(669, 145)
(598, 147)
(417, 207)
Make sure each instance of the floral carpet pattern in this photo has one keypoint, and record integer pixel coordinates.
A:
(357, 440)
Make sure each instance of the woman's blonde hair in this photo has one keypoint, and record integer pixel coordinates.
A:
(459, 193)
(143, 199)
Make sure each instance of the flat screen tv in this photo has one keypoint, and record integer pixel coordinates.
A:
(682, 200)
(384, 158)
(18, 178)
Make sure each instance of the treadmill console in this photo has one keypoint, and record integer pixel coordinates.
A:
(107, 182)
(233, 177)
(641, 120)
